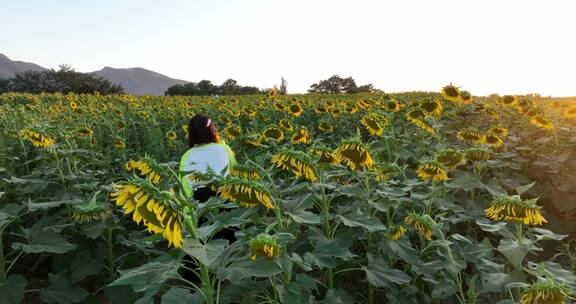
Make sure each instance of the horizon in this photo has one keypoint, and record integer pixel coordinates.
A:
(517, 47)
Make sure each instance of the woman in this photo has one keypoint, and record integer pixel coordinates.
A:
(207, 153)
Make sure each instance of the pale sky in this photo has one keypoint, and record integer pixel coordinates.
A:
(484, 46)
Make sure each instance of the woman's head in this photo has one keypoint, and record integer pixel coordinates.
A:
(201, 130)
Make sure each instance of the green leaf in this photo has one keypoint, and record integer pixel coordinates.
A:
(496, 282)
(12, 291)
(545, 234)
(48, 205)
(361, 220)
(522, 189)
(261, 268)
(205, 253)
(84, 265)
(380, 275)
(176, 295)
(514, 251)
(121, 294)
(62, 292)
(337, 296)
(149, 275)
(304, 217)
(46, 241)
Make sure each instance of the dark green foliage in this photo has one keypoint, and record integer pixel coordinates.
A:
(206, 88)
(339, 85)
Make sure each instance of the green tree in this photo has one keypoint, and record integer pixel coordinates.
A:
(339, 85)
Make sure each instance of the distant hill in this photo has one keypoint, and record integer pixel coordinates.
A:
(9, 68)
(139, 81)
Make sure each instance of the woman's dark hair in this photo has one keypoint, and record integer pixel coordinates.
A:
(201, 130)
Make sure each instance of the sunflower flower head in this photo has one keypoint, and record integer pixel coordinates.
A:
(374, 123)
(498, 130)
(245, 171)
(432, 170)
(355, 154)
(508, 100)
(146, 167)
(286, 124)
(301, 136)
(119, 143)
(431, 107)
(273, 133)
(296, 162)
(493, 140)
(541, 122)
(465, 97)
(450, 158)
(397, 232)
(384, 171)
(451, 93)
(545, 291)
(325, 127)
(295, 109)
(90, 211)
(149, 207)
(37, 139)
(171, 135)
(470, 135)
(232, 131)
(246, 193)
(392, 105)
(264, 245)
(250, 141)
(423, 223)
(417, 117)
(477, 154)
(514, 209)
(327, 155)
(84, 131)
(570, 112)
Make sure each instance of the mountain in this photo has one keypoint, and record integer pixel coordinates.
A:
(9, 68)
(139, 81)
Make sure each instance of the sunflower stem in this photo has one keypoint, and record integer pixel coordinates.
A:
(110, 253)
(2, 263)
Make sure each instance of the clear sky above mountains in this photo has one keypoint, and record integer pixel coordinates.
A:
(485, 46)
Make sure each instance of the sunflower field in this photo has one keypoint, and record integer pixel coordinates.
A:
(366, 198)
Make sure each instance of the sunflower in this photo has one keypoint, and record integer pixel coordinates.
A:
(470, 135)
(507, 100)
(415, 114)
(321, 110)
(393, 105)
(327, 155)
(225, 120)
(279, 106)
(465, 97)
(374, 123)
(297, 162)
(514, 209)
(190, 114)
(493, 140)
(397, 232)
(272, 93)
(146, 167)
(245, 171)
(90, 211)
(171, 135)
(119, 143)
(73, 105)
(449, 158)
(325, 127)
(545, 291)
(329, 103)
(424, 224)
(416, 117)
(570, 112)
(246, 193)
(541, 122)
(364, 104)
(232, 131)
(451, 92)
(264, 245)
(295, 109)
(301, 136)
(84, 131)
(273, 133)
(498, 130)
(351, 109)
(335, 112)
(431, 107)
(477, 154)
(249, 112)
(151, 208)
(432, 170)
(249, 141)
(37, 139)
(185, 129)
(354, 154)
(286, 124)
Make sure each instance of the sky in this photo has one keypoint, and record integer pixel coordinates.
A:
(484, 46)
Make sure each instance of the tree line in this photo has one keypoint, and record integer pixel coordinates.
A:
(65, 80)
(207, 88)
